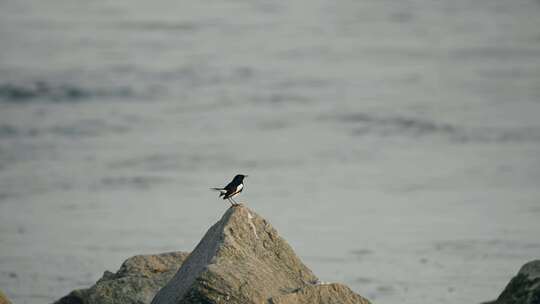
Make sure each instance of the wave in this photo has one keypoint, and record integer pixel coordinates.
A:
(397, 124)
(82, 128)
(41, 90)
(364, 124)
(153, 25)
(137, 182)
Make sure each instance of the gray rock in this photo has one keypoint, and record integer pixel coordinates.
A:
(241, 259)
(524, 288)
(3, 298)
(531, 270)
(321, 294)
(136, 282)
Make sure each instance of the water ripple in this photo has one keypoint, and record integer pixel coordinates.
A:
(41, 90)
(364, 124)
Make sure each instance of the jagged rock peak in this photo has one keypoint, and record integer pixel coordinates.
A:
(240, 259)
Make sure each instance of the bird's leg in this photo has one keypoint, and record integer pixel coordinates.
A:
(235, 203)
(232, 204)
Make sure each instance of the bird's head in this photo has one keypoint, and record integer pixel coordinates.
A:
(240, 177)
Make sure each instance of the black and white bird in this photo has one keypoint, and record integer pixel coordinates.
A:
(232, 189)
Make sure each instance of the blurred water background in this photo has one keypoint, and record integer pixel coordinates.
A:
(394, 144)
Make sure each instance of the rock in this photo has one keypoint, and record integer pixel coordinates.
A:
(136, 282)
(320, 294)
(3, 298)
(524, 288)
(241, 259)
(531, 270)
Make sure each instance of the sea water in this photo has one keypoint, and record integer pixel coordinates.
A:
(394, 144)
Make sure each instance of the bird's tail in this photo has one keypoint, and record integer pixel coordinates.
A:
(222, 191)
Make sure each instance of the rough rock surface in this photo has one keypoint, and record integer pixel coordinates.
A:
(524, 288)
(3, 298)
(136, 282)
(321, 294)
(241, 259)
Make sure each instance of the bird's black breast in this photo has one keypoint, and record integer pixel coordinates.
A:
(231, 187)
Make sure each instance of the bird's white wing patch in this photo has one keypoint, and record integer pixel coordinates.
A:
(239, 187)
